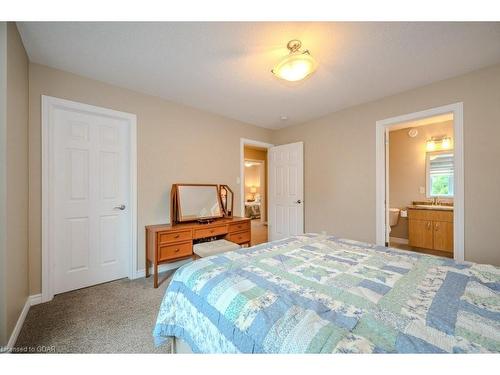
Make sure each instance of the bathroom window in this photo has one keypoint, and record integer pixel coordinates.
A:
(439, 174)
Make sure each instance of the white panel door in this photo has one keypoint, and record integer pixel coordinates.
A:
(89, 198)
(286, 190)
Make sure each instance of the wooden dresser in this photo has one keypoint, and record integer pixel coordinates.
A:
(431, 229)
(166, 243)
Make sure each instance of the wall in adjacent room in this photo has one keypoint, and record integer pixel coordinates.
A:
(255, 153)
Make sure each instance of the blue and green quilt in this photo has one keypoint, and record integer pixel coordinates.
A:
(322, 294)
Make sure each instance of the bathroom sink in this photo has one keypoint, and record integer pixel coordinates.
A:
(431, 207)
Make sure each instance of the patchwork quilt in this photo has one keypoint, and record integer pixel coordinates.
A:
(322, 294)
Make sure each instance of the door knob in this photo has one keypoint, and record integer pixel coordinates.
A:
(298, 201)
(120, 207)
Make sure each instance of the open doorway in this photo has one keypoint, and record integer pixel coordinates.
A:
(420, 182)
(420, 179)
(254, 190)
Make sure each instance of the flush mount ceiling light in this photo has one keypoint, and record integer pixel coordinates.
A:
(297, 65)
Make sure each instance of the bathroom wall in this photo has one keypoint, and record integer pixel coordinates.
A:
(407, 168)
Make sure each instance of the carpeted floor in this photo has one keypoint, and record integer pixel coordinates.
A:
(115, 317)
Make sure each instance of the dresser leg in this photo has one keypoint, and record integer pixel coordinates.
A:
(147, 268)
(155, 271)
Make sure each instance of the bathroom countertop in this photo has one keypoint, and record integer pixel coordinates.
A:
(430, 207)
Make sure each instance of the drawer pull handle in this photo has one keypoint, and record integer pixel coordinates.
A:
(176, 236)
(176, 250)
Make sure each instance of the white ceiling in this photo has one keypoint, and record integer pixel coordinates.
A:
(225, 67)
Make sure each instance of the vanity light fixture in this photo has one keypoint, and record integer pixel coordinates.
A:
(297, 65)
(443, 143)
(446, 143)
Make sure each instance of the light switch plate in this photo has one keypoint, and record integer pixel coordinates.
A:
(421, 190)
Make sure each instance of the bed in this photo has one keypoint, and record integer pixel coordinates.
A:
(252, 210)
(321, 294)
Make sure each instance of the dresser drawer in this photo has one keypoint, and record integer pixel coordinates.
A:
(237, 227)
(209, 232)
(165, 237)
(166, 252)
(239, 237)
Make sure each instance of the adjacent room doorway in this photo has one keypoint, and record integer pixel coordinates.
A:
(254, 188)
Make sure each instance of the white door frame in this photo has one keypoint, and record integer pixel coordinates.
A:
(48, 104)
(458, 152)
(248, 142)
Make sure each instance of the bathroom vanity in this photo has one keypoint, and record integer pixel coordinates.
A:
(431, 227)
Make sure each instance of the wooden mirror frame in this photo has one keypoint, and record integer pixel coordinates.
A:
(227, 213)
(175, 209)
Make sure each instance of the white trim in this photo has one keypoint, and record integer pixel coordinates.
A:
(247, 142)
(17, 328)
(30, 301)
(48, 103)
(458, 217)
(35, 299)
(402, 241)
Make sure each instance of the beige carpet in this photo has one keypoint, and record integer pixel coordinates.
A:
(116, 317)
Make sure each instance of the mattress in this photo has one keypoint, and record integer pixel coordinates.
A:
(322, 294)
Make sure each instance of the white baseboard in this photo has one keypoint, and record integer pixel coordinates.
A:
(18, 326)
(35, 299)
(30, 301)
(402, 241)
(161, 268)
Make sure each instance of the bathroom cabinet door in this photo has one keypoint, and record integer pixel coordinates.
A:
(443, 236)
(420, 233)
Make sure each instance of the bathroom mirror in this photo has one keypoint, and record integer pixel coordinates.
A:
(198, 202)
(227, 200)
(439, 173)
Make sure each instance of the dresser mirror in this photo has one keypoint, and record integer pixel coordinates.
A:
(227, 200)
(197, 202)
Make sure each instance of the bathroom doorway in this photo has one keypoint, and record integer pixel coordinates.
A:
(420, 161)
(422, 182)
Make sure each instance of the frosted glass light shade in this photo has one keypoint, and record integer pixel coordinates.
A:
(295, 66)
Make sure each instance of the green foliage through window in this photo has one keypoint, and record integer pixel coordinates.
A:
(441, 186)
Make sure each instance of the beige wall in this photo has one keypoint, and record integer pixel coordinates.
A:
(3, 184)
(175, 143)
(407, 158)
(340, 160)
(15, 258)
